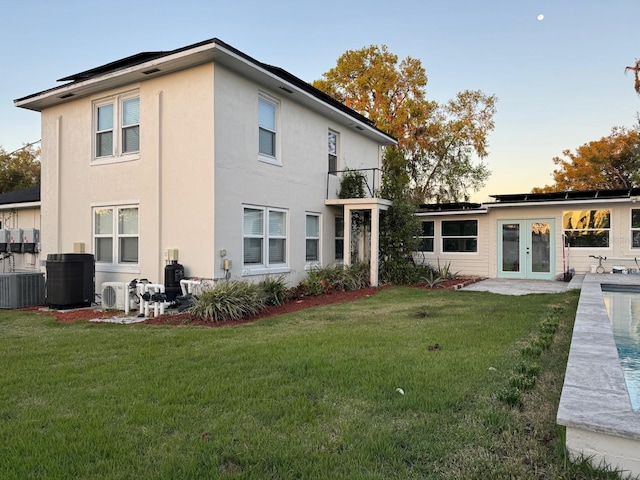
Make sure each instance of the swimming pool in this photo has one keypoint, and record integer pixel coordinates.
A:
(595, 405)
(623, 307)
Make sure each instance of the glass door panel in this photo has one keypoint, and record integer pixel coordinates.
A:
(511, 247)
(525, 249)
(540, 247)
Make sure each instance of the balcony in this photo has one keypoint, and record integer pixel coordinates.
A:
(353, 184)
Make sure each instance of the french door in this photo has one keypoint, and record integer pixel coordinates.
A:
(525, 249)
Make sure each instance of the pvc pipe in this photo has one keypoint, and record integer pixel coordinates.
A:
(157, 287)
(187, 285)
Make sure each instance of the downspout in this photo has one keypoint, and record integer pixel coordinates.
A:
(160, 275)
(58, 182)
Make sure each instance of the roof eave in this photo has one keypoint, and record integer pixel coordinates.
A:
(19, 205)
(201, 53)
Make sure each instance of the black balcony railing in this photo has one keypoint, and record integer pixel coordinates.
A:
(358, 183)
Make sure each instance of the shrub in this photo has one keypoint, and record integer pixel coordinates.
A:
(229, 301)
(337, 278)
(275, 290)
(352, 184)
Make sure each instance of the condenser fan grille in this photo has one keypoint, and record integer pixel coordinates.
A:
(109, 297)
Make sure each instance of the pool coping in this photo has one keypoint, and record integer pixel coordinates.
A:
(594, 396)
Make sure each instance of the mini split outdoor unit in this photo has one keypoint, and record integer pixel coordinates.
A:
(115, 296)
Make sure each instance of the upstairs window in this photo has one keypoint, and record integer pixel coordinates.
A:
(117, 127)
(131, 125)
(333, 152)
(587, 228)
(267, 129)
(104, 131)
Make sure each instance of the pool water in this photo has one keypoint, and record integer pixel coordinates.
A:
(623, 308)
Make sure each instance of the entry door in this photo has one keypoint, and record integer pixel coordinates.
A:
(525, 249)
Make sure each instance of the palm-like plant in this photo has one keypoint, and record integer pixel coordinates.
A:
(636, 74)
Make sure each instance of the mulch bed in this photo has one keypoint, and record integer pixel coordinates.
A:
(177, 319)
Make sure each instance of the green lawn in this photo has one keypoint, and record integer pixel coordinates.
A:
(310, 395)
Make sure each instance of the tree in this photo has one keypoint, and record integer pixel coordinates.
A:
(399, 229)
(444, 145)
(636, 74)
(19, 169)
(452, 163)
(612, 162)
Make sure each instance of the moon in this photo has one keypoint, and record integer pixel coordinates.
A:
(540, 17)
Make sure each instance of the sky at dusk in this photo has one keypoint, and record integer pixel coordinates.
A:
(560, 81)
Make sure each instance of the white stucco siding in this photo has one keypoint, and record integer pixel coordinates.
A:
(171, 180)
(185, 188)
(295, 183)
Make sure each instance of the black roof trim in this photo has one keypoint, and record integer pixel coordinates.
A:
(113, 66)
(566, 195)
(31, 194)
(447, 207)
(143, 57)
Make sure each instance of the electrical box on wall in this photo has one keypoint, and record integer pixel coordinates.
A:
(4, 240)
(30, 240)
(15, 240)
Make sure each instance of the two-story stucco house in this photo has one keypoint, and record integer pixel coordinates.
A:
(201, 154)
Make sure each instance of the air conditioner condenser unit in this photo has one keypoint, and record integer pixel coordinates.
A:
(115, 296)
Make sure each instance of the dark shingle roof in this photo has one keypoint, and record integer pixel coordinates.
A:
(144, 57)
(26, 195)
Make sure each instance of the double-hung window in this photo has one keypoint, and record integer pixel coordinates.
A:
(427, 235)
(267, 129)
(587, 228)
(635, 228)
(117, 127)
(115, 235)
(333, 152)
(460, 236)
(339, 239)
(264, 238)
(312, 248)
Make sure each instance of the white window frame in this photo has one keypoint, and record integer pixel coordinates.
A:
(337, 238)
(422, 237)
(265, 267)
(263, 157)
(462, 236)
(115, 265)
(335, 154)
(567, 232)
(117, 154)
(317, 263)
(634, 230)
